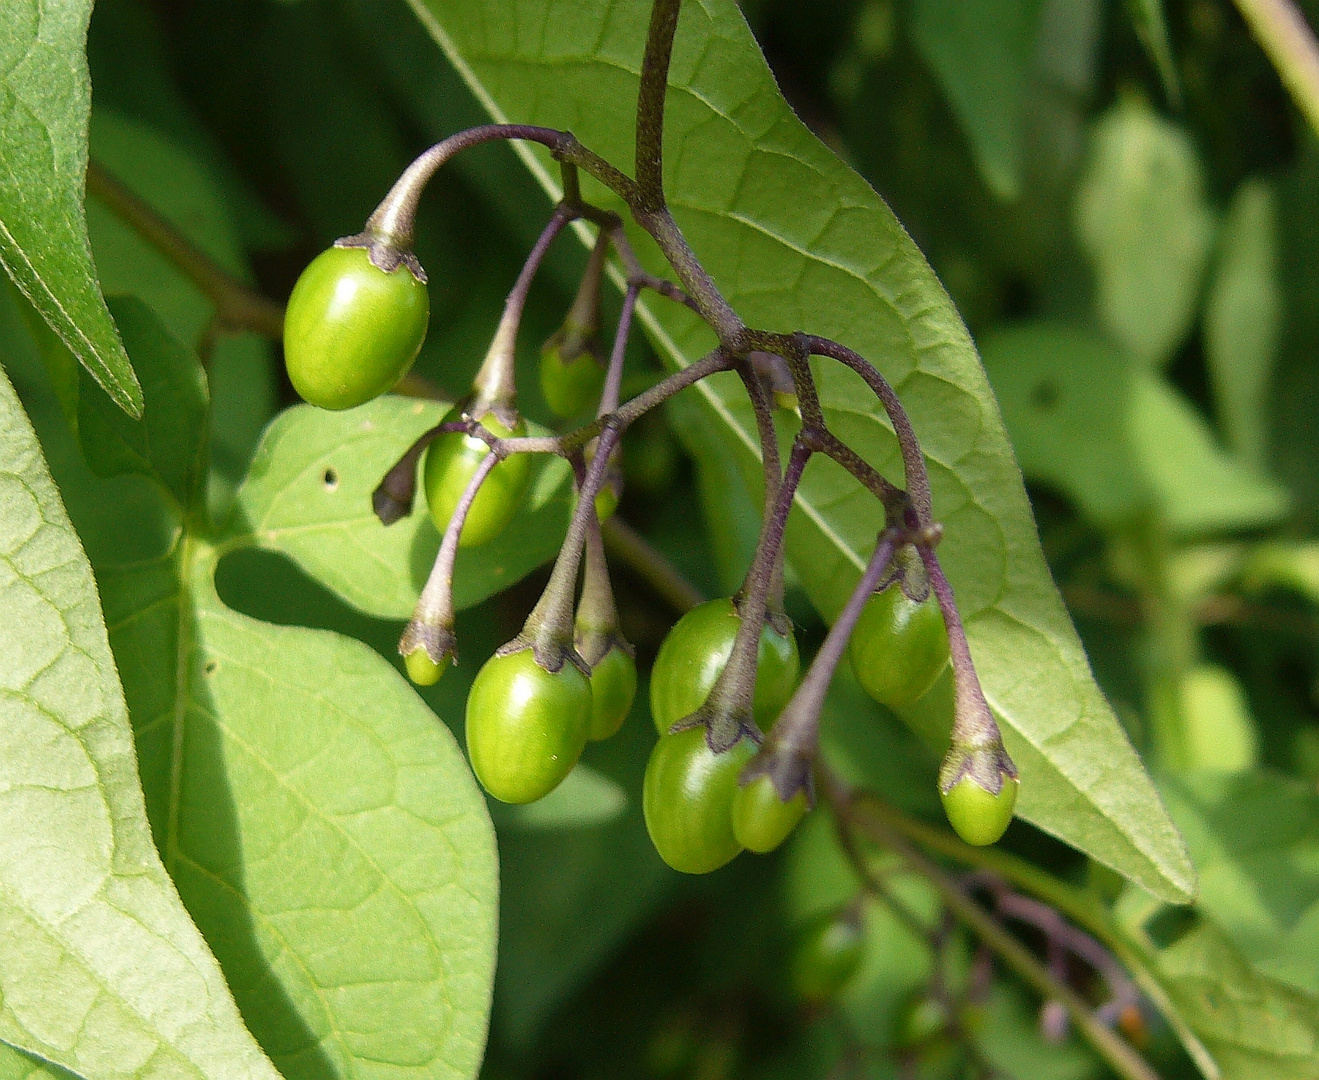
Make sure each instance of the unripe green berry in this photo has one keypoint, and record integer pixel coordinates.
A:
(422, 670)
(898, 647)
(761, 820)
(451, 461)
(526, 726)
(979, 816)
(571, 387)
(687, 800)
(696, 651)
(613, 686)
(351, 330)
(828, 952)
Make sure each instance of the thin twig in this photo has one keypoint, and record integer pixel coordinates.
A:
(1111, 1047)
(237, 306)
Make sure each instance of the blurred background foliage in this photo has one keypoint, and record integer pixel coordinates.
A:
(1124, 205)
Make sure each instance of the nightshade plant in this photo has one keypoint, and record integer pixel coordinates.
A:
(234, 842)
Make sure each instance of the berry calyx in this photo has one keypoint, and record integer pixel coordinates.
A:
(450, 462)
(761, 820)
(694, 654)
(899, 646)
(352, 330)
(525, 726)
(687, 800)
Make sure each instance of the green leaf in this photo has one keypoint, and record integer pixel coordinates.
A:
(1243, 319)
(1152, 29)
(1146, 450)
(1255, 840)
(1256, 1028)
(103, 971)
(308, 495)
(352, 908)
(45, 98)
(797, 240)
(981, 51)
(1142, 218)
(169, 443)
(1199, 488)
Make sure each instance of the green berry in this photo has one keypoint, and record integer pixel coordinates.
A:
(351, 330)
(613, 686)
(761, 820)
(422, 670)
(571, 387)
(695, 652)
(525, 726)
(687, 800)
(828, 952)
(898, 647)
(450, 462)
(978, 816)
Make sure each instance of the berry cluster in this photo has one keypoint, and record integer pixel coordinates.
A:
(738, 731)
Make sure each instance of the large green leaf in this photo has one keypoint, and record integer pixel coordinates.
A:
(320, 824)
(1255, 1028)
(45, 99)
(797, 240)
(981, 50)
(1255, 840)
(100, 968)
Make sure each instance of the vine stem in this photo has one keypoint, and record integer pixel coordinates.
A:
(431, 626)
(1116, 1052)
(237, 306)
(1283, 33)
(495, 382)
(913, 461)
(789, 750)
(727, 712)
(1082, 908)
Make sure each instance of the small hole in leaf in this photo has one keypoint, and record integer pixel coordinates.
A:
(210, 667)
(1045, 396)
(331, 479)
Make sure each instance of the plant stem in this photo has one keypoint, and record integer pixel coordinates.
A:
(1114, 1050)
(237, 306)
(789, 752)
(973, 722)
(431, 626)
(634, 551)
(549, 627)
(913, 461)
(495, 382)
(614, 379)
(1082, 908)
(1283, 33)
(650, 103)
(727, 712)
